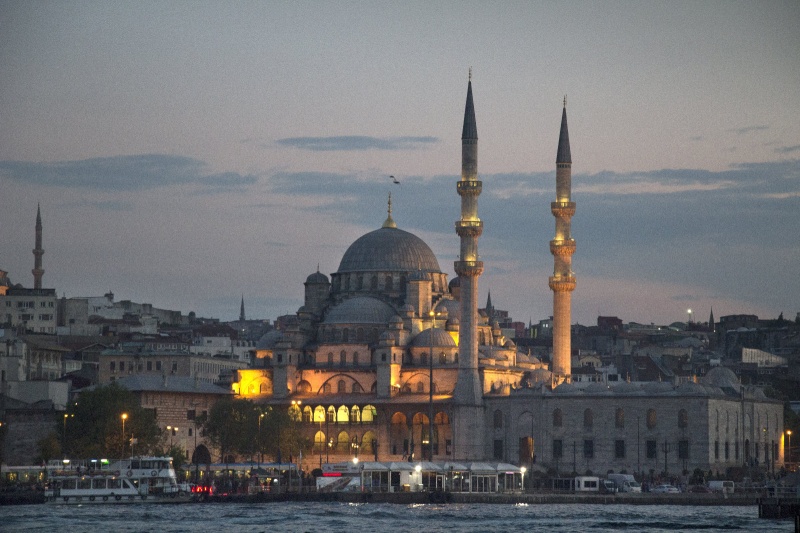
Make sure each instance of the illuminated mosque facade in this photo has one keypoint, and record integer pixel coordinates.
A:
(389, 361)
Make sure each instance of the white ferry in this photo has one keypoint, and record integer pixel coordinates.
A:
(134, 480)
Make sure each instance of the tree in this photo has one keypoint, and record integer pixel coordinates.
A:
(49, 447)
(231, 426)
(95, 430)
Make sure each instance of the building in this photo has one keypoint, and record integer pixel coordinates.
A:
(389, 360)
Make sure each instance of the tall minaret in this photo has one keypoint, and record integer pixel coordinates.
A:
(562, 283)
(241, 311)
(38, 252)
(468, 393)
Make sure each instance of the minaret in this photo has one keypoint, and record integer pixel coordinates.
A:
(468, 393)
(562, 282)
(241, 311)
(38, 252)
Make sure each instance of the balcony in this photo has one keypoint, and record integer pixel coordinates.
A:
(469, 187)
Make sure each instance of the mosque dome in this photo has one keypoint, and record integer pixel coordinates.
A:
(721, 377)
(452, 307)
(440, 338)
(389, 249)
(360, 310)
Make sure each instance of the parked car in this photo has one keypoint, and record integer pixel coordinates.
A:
(665, 489)
(700, 489)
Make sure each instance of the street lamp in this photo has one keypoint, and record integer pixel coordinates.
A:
(260, 416)
(124, 417)
(172, 431)
(432, 314)
(522, 471)
(64, 434)
(788, 453)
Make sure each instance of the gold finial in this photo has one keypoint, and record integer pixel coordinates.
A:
(389, 223)
(470, 73)
(565, 101)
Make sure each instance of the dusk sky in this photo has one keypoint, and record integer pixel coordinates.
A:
(187, 153)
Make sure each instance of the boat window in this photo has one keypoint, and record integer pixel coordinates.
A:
(115, 483)
(85, 483)
(135, 464)
(99, 483)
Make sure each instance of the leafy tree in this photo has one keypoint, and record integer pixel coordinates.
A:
(49, 447)
(231, 426)
(95, 430)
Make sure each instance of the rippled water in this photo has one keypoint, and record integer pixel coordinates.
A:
(382, 518)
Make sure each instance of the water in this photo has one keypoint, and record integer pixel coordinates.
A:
(383, 518)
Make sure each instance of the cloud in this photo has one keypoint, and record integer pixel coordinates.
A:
(124, 173)
(787, 149)
(748, 129)
(357, 143)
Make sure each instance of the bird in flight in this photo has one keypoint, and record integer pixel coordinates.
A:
(394, 180)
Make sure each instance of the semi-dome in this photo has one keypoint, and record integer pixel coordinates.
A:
(389, 250)
(360, 310)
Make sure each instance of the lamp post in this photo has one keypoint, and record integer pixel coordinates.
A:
(124, 417)
(689, 312)
(432, 314)
(258, 441)
(64, 434)
(788, 452)
(522, 471)
(172, 431)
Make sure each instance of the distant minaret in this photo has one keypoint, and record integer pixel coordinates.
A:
(468, 392)
(241, 311)
(38, 252)
(562, 283)
(711, 320)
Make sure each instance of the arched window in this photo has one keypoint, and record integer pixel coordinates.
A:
(319, 414)
(498, 419)
(620, 418)
(343, 415)
(342, 358)
(369, 414)
(441, 418)
(331, 413)
(343, 443)
(326, 388)
(304, 387)
(651, 419)
(420, 387)
(307, 414)
(341, 386)
(294, 412)
(373, 283)
(683, 419)
(355, 414)
(588, 419)
(558, 418)
(389, 283)
(368, 442)
(345, 335)
(319, 442)
(356, 388)
(442, 358)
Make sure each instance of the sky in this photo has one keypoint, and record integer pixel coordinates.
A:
(188, 154)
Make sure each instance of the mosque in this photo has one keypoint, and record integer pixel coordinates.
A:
(389, 361)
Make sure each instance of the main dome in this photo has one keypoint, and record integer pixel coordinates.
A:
(389, 250)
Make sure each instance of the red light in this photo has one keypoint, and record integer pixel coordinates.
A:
(331, 474)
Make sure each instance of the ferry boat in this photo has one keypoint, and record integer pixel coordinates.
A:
(134, 480)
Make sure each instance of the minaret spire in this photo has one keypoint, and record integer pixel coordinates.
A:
(468, 392)
(562, 282)
(241, 311)
(38, 252)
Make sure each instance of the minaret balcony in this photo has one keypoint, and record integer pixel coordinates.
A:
(469, 228)
(562, 248)
(468, 268)
(562, 209)
(471, 187)
(562, 283)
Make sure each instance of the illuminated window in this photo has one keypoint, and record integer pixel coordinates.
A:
(651, 419)
(558, 419)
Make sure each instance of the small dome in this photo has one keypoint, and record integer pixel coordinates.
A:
(441, 339)
(317, 278)
(453, 308)
(721, 377)
(396, 320)
(540, 375)
(567, 388)
(269, 339)
(360, 310)
(455, 282)
(407, 310)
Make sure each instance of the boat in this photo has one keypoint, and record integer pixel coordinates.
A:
(133, 480)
